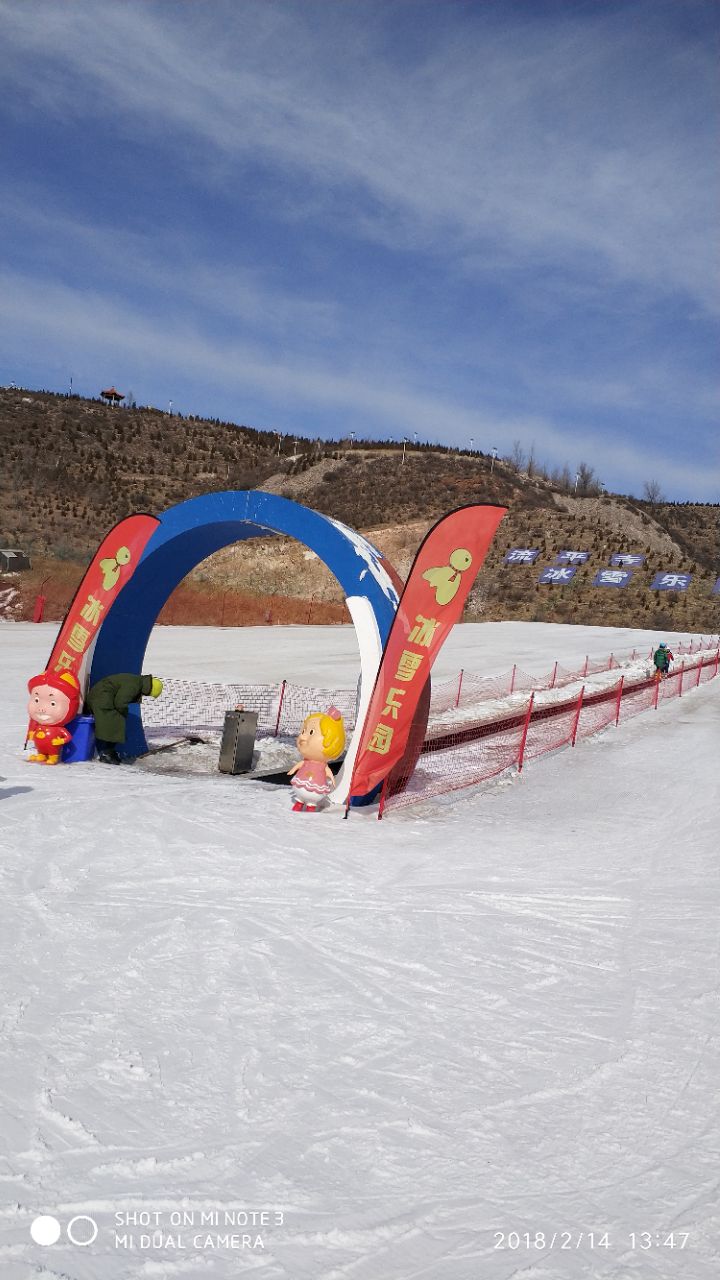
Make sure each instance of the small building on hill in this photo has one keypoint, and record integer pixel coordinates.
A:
(112, 396)
(13, 561)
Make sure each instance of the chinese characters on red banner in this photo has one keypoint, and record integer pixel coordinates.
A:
(433, 599)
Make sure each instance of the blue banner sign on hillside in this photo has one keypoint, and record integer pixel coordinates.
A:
(558, 575)
(716, 589)
(572, 557)
(612, 578)
(625, 558)
(671, 582)
(521, 555)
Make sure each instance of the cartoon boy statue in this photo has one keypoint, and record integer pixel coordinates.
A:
(54, 700)
(321, 738)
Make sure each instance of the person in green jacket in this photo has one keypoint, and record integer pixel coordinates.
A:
(109, 700)
(662, 658)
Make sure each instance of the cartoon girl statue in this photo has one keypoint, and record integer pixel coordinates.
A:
(321, 738)
(54, 700)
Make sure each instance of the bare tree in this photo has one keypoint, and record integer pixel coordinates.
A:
(586, 481)
(531, 463)
(516, 457)
(562, 478)
(652, 491)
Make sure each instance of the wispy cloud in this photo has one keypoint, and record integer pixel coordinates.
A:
(529, 139)
(490, 221)
(167, 267)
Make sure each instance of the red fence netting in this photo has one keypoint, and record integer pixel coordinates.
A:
(474, 753)
(456, 753)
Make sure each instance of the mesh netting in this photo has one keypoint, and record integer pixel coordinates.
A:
(457, 752)
(188, 705)
(551, 729)
(597, 712)
(461, 756)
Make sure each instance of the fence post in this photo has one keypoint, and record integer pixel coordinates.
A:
(577, 717)
(457, 700)
(682, 673)
(512, 678)
(700, 667)
(617, 709)
(383, 794)
(657, 690)
(585, 668)
(554, 674)
(610, 662)
(717, 662)
(526, 726)
(280, 704)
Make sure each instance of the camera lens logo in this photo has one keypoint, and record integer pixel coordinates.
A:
(45, 1230)
(81, 1230)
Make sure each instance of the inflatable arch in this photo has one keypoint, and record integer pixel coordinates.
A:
(193, 530)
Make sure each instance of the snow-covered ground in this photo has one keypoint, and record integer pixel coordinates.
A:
(401, 1041)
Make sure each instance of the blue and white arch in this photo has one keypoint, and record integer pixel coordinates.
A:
(194, 530)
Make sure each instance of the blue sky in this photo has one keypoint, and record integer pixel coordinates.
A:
(476, 220)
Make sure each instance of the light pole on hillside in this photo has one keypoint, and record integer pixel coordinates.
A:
(352, 439)
(405, 443)
(472, 443)
(577, 481)
(494, 456)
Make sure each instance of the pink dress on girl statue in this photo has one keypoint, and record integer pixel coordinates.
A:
(311, 782)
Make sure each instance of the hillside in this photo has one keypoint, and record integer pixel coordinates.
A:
(73, 467)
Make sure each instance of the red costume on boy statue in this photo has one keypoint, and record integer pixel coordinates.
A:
(54, 699)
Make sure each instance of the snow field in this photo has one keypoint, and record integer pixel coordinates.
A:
(410, 1038)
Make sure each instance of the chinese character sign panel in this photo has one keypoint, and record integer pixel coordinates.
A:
(572, 557)
(444, 570)
(558, 575)
(612, 578)
(671, 582)
(521, 555)
(625, 558)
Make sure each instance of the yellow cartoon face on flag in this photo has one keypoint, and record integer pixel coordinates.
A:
(446, 579)
(110, 567)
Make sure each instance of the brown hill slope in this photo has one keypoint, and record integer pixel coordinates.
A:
(72, 467)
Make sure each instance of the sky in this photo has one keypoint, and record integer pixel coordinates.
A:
(480, 222)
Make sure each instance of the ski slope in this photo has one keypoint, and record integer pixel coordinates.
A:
(412, 1045)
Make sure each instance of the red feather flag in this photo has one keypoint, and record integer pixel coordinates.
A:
(113, 564)
(439, 583)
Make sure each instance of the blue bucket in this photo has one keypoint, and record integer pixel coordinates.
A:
(82, 746)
